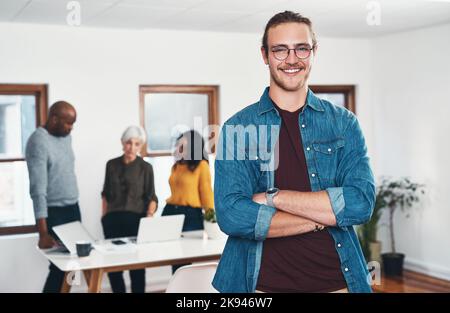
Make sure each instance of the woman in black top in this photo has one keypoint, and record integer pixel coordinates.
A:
(128, 195)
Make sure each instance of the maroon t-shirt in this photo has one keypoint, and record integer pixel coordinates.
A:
(301, 263)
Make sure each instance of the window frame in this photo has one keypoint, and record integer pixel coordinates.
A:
(347, 90)
(40, 91)
(213, 106)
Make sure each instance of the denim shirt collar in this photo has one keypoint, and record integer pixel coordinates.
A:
(266, 103)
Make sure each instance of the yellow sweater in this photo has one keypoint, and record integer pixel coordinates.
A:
(191, 188)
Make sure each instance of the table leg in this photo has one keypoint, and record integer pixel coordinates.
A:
(95, 280)
(65, 288)
(87, 276)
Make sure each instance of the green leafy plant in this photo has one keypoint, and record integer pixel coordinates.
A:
(210, 216)
(394, 194)
(367, 233)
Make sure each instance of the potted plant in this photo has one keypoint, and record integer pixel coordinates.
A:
(394, 194)
(211, 227)
(367, 234)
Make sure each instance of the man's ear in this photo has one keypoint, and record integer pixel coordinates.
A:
(315, 49)
(264, 56)
(54, 120)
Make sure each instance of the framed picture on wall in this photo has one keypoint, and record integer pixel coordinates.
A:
(166, 111)
(343, 95)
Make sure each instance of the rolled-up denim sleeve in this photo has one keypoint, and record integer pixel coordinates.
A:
(234, 185)
(353, 199)
(263, 221)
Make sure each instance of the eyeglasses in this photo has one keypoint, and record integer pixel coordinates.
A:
(281, 53)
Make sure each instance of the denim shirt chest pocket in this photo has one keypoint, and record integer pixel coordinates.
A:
(326, 156)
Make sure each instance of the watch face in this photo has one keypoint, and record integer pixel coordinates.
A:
(272, 190)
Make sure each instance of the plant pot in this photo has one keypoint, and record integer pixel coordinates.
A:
(375, 251)
(213, 231)
(393, 264)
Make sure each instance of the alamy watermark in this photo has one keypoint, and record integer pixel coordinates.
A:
(73, 17)
(237, 142)
(373, 17)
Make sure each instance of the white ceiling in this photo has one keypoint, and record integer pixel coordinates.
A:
(343, 18)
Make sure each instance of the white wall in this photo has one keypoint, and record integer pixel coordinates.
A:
(99, 71)
(22, 267)
(412, 107)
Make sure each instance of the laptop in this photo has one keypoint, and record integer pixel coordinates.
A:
(158, 229)
(69, 234)
(151, 229)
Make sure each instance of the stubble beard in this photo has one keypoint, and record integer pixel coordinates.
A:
(281, 84)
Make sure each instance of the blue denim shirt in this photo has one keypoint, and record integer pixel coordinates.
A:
(337, 161)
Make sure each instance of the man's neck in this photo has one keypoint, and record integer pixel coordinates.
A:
(49, 130)
(288, 100)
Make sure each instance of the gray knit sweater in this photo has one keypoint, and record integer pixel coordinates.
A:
(51, 168)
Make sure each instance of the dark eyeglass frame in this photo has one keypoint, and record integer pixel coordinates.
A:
(289, 52)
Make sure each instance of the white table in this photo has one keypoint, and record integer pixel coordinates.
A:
(184, 250)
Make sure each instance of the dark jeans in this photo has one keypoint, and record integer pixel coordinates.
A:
(193, 220)
(57, 216)
(124, 224)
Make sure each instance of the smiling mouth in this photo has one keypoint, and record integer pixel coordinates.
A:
(292, 70)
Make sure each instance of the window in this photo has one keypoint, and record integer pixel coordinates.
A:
(169, 110)
(343, 95)
(22, 109)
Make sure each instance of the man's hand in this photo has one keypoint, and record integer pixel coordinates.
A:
(260, 198)
(46, 241)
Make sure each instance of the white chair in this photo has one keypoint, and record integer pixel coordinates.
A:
(196, 278)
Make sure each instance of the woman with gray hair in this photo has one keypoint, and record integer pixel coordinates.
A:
(128, 195)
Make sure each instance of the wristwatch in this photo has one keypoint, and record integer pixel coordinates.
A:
(270, 194)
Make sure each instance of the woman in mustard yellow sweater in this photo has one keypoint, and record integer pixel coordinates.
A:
(190, 181)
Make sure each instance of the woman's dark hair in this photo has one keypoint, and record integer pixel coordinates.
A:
(195, 150)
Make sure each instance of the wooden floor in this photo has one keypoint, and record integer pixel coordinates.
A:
(412, 282)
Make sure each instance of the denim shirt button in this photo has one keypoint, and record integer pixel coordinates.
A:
(308, 148)
(339, 245)
(346, 269)
(329, 149)
(303, 126)
(313, 175)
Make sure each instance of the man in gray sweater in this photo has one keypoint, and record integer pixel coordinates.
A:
(53, 185)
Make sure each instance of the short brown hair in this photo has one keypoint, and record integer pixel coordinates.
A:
(287, 17)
